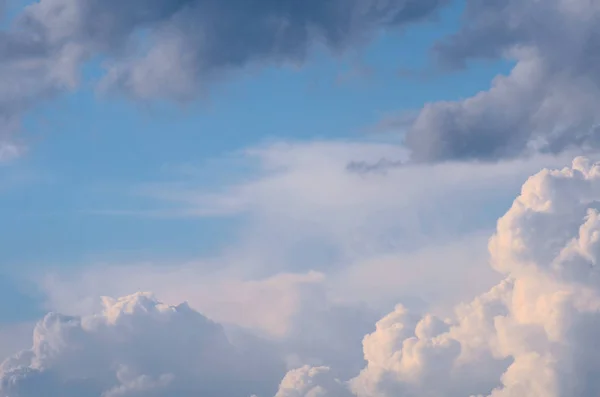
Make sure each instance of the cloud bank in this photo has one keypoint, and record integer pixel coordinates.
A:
(547, 103)
(531, 335)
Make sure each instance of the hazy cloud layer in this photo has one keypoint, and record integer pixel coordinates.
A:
(377, 238)
(547, 103)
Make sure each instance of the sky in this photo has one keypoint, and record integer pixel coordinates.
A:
(333, 198)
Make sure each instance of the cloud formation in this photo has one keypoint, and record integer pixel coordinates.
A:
(311, 382)
(202, 39)
(531, 335)
(547, 103)
(134, 346)
(293, 311)
(173, 49)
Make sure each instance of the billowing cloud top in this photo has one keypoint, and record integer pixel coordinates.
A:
(531, 335)
(135, 347)
(528, 336)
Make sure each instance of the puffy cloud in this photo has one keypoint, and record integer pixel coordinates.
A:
(196, 41)
(304, 193)
(135, 346)
(548, 101)
(311, 382)
(555, 308)
(413, 356)
(531, 335)
(294, 312)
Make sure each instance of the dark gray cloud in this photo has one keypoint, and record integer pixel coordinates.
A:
(174, 48)
(205, 39)
(549, 101)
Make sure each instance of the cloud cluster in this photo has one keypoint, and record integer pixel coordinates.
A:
(548, 102)
(135, 346)
(173, 48)
(311, 382)
(531, 335)
(294, 312)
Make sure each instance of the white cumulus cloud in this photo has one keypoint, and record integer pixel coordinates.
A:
(532, 335)
(135, 346)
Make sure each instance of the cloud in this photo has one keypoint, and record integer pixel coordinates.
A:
(173, 49)
(134, 346)
(548, 101)
(382, 166)
(34, 67)
(196, 42)
(295, 312)
(532, 334)
(312, 178)
(311, 382)
(224, 297)
(320, 289)
(371, 238)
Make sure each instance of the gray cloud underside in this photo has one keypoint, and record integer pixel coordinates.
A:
(549, 101)
(173, 48)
